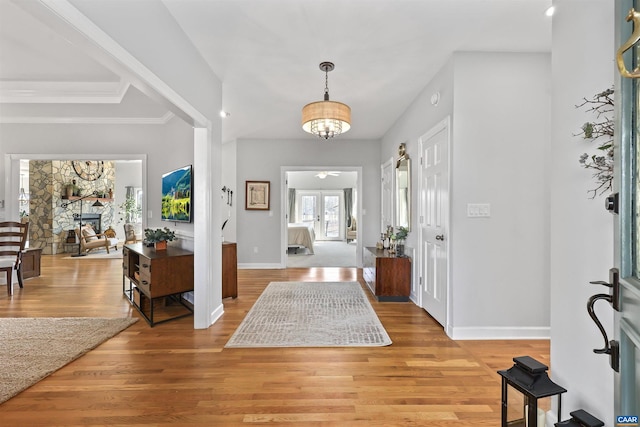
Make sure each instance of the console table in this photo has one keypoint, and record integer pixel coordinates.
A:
(152, 275)
(229, 270)
(387, 276)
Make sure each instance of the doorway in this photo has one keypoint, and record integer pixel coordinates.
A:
(322, 198)
(133, 171)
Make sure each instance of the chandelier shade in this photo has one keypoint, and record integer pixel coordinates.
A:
(326, 118)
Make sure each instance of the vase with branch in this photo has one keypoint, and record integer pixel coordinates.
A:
(600, 130)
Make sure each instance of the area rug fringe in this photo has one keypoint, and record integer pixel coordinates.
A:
(32, 348)
(311, 314)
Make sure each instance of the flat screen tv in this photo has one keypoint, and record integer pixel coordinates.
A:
(176, 195)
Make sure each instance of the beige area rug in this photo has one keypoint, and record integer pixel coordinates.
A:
(113, 254)
(311, 314)
(32, 348)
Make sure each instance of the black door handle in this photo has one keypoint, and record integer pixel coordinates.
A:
(612, 348)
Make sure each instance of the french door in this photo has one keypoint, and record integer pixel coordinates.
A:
(323, 209)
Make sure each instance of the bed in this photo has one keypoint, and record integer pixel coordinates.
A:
(301, 235)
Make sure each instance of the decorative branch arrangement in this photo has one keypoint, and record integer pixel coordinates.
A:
(600, 130)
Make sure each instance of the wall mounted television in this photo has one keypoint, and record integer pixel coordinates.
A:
(177, 195)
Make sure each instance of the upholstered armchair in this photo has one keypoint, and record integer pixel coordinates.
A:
(89, 240)
(352, 232)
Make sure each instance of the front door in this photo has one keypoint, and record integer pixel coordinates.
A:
(434, 221)
(627, 226)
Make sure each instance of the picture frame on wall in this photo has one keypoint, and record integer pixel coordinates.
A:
(257, 195)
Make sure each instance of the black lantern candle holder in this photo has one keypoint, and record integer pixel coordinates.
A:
(529, 378)
(581, 418)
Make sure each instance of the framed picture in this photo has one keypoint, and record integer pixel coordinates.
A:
(257, 195)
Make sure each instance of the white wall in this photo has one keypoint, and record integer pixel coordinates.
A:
(499, 264)
(581, 230)
(499, 105)
(261, 160)
(229, 181)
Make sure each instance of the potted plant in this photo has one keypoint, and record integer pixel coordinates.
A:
(130, 211)
(159, 237)
(401, 235)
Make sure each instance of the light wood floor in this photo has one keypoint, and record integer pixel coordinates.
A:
(173, 374)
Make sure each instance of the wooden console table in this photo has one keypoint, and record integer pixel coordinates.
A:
(229, 270)
(387, 276)
(153, 274)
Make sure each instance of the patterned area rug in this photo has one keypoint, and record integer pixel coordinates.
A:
(311, 314)
(32, 348)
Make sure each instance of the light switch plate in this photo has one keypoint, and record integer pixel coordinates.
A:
(478, 210)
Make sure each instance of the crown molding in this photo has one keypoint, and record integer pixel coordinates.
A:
(90, 120)
(42, 92)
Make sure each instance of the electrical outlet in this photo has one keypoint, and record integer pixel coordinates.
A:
(255, 249)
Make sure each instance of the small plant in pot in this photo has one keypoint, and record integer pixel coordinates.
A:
(401, 235)
(159, 237)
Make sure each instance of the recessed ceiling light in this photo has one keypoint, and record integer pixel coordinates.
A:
(550, 11)
(224, 114)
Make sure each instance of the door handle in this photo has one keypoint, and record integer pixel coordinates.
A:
(612, 348)
(440, 237)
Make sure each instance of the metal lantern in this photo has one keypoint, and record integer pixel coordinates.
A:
(581, 418)
(528, 380)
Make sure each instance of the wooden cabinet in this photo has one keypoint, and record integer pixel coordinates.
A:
(387, 276)
(229, 270)
(154, 275)
(31, 262)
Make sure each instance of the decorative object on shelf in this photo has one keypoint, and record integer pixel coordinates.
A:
(88, 170)
(257, 195)
(600, 130)
(159, 237)
(326, 119)
(81, 200)
(70, 189)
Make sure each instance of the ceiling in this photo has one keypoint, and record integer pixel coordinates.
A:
(266, 53)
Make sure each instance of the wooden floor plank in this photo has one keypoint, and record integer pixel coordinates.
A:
(173, 374)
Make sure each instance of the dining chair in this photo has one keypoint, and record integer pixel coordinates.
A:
(13, 237)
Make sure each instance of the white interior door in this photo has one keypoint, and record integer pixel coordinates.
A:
(434, 220)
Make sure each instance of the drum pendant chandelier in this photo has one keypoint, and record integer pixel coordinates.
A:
(326, 119)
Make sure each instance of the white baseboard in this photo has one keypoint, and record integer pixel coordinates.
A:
(500, 333)
(259, 266)
(216, 314)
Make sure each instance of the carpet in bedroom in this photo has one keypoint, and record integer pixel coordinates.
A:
(327, 254)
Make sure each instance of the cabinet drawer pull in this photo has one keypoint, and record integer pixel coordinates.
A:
(145, 265)
(144, 282)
